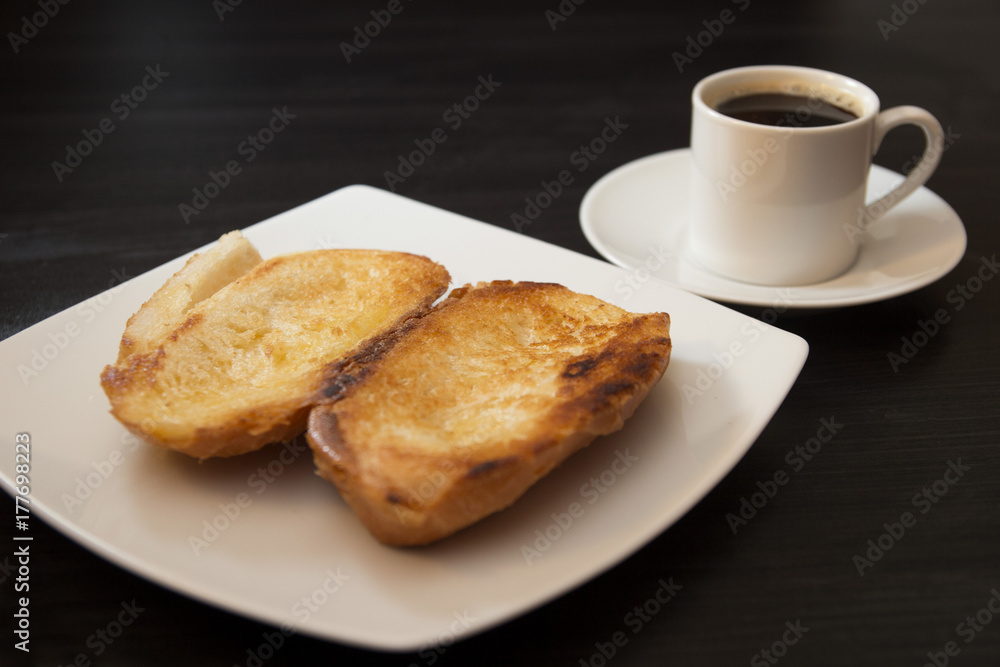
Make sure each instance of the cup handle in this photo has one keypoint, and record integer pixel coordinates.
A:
(894, 117)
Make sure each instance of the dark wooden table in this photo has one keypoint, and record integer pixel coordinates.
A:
(211, 73)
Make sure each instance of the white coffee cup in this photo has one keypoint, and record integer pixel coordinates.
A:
(785, 204)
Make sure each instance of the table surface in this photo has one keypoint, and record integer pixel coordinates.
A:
(560, 70)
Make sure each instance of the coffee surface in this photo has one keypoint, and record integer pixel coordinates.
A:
(781, 109)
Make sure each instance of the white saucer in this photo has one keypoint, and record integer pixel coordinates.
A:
(635, 216)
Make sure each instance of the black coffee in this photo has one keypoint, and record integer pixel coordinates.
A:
(786, 110)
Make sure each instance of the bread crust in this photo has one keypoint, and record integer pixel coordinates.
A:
(600, 363)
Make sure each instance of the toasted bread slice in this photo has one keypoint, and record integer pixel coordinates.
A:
(203, 275)
(458, 415)
(244, 366)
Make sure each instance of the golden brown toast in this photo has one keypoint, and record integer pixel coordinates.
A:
(457, 415)
(243, 366)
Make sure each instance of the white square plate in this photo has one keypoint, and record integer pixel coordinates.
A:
(295, 555)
